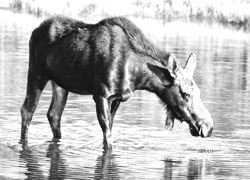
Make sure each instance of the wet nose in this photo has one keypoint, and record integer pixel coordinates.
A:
(207, 128)
(206, 131)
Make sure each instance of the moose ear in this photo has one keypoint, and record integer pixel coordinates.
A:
(191, 64)
(164, 75)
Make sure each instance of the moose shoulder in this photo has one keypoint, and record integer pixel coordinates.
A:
(109, 60)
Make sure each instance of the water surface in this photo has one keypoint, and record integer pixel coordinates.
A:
(143, 148)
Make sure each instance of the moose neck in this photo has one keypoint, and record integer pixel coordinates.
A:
(145, 79)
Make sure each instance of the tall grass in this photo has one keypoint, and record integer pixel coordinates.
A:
(235, 13)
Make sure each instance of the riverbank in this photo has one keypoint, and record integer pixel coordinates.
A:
(229, 13)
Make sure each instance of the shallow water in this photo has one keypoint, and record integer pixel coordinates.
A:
(143, 148)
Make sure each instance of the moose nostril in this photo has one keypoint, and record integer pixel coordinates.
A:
(193, 130)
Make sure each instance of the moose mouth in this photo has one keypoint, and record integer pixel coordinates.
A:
(202, 131)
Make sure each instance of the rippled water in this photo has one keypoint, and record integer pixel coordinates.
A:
(143, 148)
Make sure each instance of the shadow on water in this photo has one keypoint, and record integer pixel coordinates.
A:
(57, 163)
(31, 163)
(106, 167)
(34, 169)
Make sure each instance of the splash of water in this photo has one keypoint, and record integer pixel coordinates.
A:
(202, 145)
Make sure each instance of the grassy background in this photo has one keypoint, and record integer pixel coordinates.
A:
(233, 13)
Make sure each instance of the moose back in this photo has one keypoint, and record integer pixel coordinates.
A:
(109, 60)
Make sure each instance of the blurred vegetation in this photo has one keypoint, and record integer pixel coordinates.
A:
(235, 13)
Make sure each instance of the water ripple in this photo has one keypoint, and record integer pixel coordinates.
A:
(143, 148)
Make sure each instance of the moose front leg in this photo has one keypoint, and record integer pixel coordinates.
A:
(103, 110)
(169, 120)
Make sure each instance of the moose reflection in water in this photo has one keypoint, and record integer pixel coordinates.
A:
(34, 169)
(107, 165)
(110, 60)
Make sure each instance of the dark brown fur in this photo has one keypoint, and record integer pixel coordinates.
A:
(110, 60)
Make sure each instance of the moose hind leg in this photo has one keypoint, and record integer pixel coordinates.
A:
(114, 106)
(104, 118)
(35, 87)
(58, 102)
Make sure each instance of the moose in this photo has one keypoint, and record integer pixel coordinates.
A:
(109, 60)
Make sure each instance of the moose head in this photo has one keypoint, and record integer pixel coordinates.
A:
(181, 95)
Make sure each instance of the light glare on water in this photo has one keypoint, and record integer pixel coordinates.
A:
(143, 148)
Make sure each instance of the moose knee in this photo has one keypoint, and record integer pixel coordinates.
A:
(53, 118)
